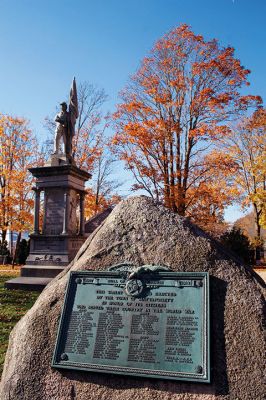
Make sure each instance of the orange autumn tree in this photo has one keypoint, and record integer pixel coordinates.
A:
(173, 110)
(18, 153)
(245, 145)
(102, 194)
(92, 208)
(207, 201)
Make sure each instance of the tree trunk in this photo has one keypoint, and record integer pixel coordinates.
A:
(258, 231)
(181, 209)
(166, 188)
(172, 179)
(3, 235)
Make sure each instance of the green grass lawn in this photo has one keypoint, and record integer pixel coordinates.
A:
(13, 305)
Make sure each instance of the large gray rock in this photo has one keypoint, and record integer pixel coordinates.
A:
(140, 231)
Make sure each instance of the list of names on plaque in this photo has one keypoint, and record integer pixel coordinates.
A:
(161, 331)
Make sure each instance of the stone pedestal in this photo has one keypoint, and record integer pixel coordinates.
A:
(58, 221)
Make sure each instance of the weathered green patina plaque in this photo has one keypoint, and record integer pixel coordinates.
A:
(149, 323)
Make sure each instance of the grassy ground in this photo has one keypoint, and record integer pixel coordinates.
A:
(13, 305)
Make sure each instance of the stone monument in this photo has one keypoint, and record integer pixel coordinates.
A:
(141, 232)
(59, 201)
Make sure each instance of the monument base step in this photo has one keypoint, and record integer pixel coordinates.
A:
(27, 283)
(41, 271)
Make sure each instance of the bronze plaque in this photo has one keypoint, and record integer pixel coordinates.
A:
(149, 322)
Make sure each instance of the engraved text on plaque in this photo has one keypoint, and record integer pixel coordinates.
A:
(152, 324)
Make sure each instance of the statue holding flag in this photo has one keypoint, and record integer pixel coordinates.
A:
(65, 123)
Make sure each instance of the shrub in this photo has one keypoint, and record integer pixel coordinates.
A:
(23, 251)
(236, 241)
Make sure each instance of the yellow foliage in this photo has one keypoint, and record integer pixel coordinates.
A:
(246, 147)
(17, 154)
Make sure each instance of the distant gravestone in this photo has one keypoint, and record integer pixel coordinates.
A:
(141, 232)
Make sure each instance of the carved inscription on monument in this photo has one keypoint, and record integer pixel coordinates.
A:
(54, 212)
(47, 244)
(153, 324)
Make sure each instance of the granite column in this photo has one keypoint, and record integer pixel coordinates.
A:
(36, 210)
(82, 213)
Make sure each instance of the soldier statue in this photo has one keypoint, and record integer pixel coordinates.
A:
(61, 130)
(65, 123)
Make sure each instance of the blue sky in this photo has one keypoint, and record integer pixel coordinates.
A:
(44, 44)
